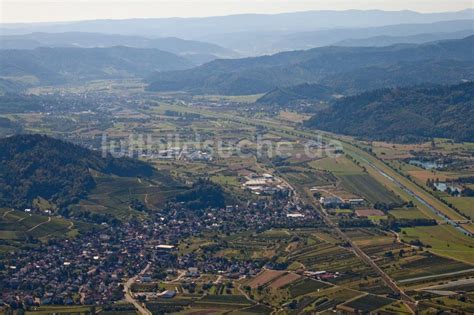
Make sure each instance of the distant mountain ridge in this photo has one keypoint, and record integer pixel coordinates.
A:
(193, 28)
(259, 34)
(96, 40)
(385, 40)
(403, 114)
(351, 69)
(303, 92)
(269, 42)
(63, 65)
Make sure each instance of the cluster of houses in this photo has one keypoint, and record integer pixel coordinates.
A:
(85, 270)
(92, 268)
(332, 202)
(177, 153)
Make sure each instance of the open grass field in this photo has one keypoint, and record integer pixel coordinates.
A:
(237, 98)
(444, 240)
(375, 240)
(408, 213)
(422, 175)
(337, 166)
(464, 204)
(293, 117)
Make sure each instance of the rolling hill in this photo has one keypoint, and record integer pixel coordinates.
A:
(187, 48)
(350, 69)
(302, 92)
(387, 40)
(403, 114)
(63, 65)
(259, 34)
(199, 28)
(258, 42)
(36, 166)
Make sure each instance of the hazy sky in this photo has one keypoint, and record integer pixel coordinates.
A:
(66, 10)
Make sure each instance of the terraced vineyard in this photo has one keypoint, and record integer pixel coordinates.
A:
(19, 229)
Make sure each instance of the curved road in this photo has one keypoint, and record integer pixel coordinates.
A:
(128, 294)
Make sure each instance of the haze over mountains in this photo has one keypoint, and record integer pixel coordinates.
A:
(346, 69)
(64, 65)
(268, 42)
(46, 53)
(256, 34)
(199, 27)
(190, 49)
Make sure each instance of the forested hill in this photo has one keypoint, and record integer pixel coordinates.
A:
(403, 114)
(60, 65)
(350, 69)
(302, 92)
(34, 166)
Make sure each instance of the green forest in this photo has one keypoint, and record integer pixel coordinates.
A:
(403, 114)
(33, 166)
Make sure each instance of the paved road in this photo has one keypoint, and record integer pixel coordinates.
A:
(389, 281)
(360, 253)
(417, 197)
(128, 294)
(449, 284)
(437, 275)
(365, 258)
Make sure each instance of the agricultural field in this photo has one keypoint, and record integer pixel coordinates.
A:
(306, 286)
(408, 213)
(265, 277)
(113, 195)
(413, 268)
(368, 303)
(304, 176)
(20, 229)
(464, 204)
(293, 268)
(365, 186)
(207, 304)
(355, 180)
(443, 240)
(338, 166)
(458, 303)
(46, 310)
(293, 117)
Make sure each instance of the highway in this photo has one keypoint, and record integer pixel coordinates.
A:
(417, 197)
